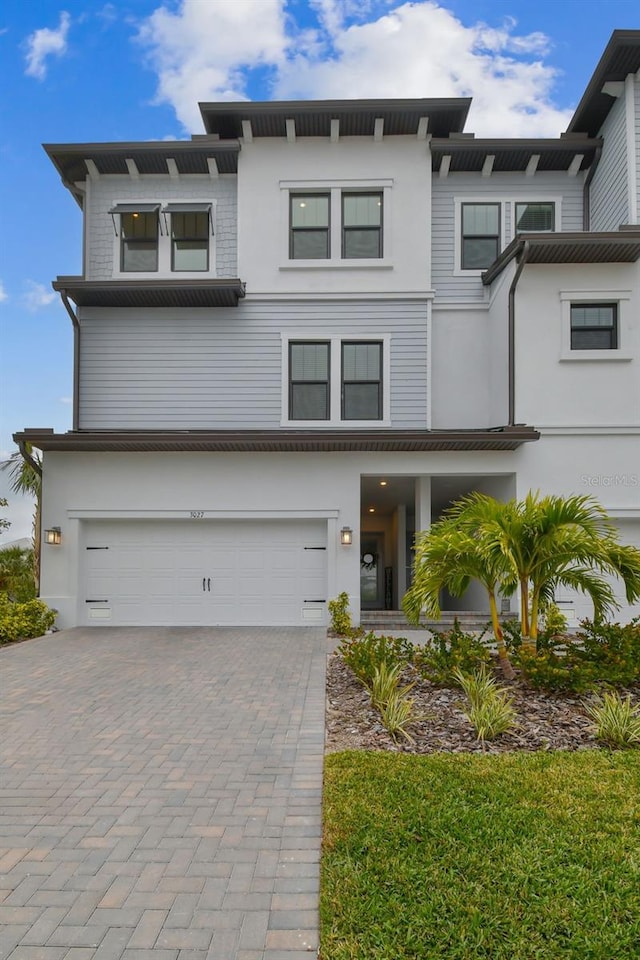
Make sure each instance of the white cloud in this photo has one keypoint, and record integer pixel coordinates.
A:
(3, 293)
(200, 52)
(67, 401)
(37, 296)
(203, 51)
(45, 43)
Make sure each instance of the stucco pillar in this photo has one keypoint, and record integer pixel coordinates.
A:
(401, 550)
(423, 503)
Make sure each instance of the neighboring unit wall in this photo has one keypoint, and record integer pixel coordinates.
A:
(460, 371)
(449, 281)
(222, 368)
(557, 386)
(608, 192)
(270, 170)
(104, 193)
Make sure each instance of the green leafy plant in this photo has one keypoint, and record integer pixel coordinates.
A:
(557, 669)
(616, 721)
(490, 707)
(554, 622)
(16, 574)
(386, 679)
(612, 648)
(451, 651)
(340, 616)
(21, 621)
(365, 654)
(397, 714)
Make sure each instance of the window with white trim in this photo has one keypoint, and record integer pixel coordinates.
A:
(336, 380)
(535, 217)
(480, 235)
(594, 326)
(340, 224)
(165, 239)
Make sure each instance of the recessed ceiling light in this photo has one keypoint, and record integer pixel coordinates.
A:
(372, 509)
(383, 483)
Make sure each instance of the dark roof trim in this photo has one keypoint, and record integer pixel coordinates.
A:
(151, 293)
(620, 58)
(618, 247)
(135, 208)
(291, 441)
(357, 117)
(150, 157)
(468, 153)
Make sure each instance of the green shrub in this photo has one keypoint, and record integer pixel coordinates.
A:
(397, 715)
(612, 648)
(21, 621)
(616, 721)
(554, 622)
(17, 577)
(449, 652)
(557, 670)
(385, 683)
(365, 654)
(340, 616)
(490, 707)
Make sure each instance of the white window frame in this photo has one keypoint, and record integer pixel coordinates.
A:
(335, 342)
(506, 236)
(621, 298)
(335, 189)
(164, 271)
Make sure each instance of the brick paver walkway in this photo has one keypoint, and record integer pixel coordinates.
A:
(161, 794)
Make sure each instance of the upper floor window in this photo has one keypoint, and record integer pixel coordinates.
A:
(361, 225)
(336, 225)
(594, 326)
(361, 381)
(174, 238)
(538, 217)
(309, 238)
(309, 381)
(480, 235)
(139, 240)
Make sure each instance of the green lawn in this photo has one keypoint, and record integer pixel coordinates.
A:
(516, 856)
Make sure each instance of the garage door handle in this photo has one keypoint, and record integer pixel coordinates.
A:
(314, 601)
(203, 582)
(209, 584)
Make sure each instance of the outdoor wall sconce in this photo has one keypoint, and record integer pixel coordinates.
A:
(346, 536)
(53, 536)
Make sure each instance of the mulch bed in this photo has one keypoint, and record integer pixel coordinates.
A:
(547, 721)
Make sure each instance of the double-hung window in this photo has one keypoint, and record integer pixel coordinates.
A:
(309, 234)
(335, 380)
(139, 229)
(309, 365)
(361, 381)
(361, 226)
(480, 235)
(594, 326)
(190, 231)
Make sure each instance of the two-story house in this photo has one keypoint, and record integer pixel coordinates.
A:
(302, 334)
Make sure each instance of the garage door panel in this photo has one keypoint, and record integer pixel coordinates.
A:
(205, 573)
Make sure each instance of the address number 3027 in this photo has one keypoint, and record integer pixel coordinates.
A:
(196, 514)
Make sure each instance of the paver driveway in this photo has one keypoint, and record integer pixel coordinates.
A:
(161, 794)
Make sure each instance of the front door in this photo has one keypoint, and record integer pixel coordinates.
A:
(372, 571)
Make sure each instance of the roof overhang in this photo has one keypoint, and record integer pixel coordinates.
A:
(623, 246)
(356, 118)
(286, 441)
(151, 293)
(620, 58)
(468, 155)
(77, 161)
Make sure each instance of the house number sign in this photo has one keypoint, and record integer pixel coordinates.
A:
(196, 514)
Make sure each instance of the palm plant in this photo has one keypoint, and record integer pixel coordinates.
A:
(449, 556)
(25, 479)
(16, 573)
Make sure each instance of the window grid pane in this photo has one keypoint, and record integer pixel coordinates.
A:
(361, 381)
(594, 326)
(309, 381)
(480, 219)
(535, 216)
(362, 226)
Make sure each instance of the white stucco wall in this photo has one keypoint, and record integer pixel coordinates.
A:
(269, 169)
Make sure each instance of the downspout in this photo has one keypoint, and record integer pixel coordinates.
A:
(512, 333)
(586, 196)
(24, 453)
(76, 358)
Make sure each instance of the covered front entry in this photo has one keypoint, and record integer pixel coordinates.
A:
(205, 572)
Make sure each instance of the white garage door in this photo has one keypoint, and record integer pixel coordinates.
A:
(205, 572)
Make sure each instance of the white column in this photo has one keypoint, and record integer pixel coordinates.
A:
(423, 503)
(401, 547)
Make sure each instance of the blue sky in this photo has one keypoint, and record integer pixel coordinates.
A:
(89, 71)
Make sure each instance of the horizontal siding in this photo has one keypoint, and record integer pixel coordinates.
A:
(221, 369)
(636, 93)
(609, 199)
(109, 190)
(499, 187)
